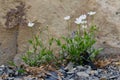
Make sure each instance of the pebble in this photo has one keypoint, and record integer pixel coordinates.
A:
(80, 68)
(30, 78)
(69, 66)
(71, 79)
(53, 76)
(103, 78)
(82, 74)
(10, 78)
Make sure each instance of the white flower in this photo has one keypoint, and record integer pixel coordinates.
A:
(83, 17)
(91, 13)
(84, 26)
(31, 24)
(78, 21)
(67, 18)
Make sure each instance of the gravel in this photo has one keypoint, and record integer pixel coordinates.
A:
(110, 72)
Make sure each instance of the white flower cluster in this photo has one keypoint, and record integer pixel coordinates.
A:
(81, 19)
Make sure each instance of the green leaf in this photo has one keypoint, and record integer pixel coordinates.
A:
(11, 63)
(30, 41)
(51, 41)
(21, 71)
(58, 42)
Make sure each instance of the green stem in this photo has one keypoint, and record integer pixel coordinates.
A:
(68, 24)
(92, 20)
(79, 29)
(48, 38)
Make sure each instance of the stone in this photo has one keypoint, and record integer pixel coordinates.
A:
(96, 73)
(18, 79)
(113, 77)
(63, 72)
(103, 78)
(80, 68)
(71, 79)
(82, 74)
(2, 66)
(1, 72)
(10, 72)
(14, 42)
(119, 78)
(1, 78)
(88, 71)
(29, 78)
(72, 71)
(69, 67)
(10, 78)
(70, 76)
(99, 70)
(53, 76)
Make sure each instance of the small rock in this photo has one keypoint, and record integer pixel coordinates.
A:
(16, 73)
(1, 72)
(70, 76)
(1, 79)
(63, 72)
(2, 66)
(103, 78)
(18, 79)
(99, 70)
(71, 71)
(81, 68)
(119, 78)
(96, 73)
(69, 66)
(30, 78)
(88, 71)
(113, 77)
(82, 74)
(71, 79)
(10, 72)
(10, 78)
(53, 76)
(93, 78)
(119, 67)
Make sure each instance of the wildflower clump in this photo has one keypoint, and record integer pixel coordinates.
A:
(79, 48)
(39, 54)
(76, 47)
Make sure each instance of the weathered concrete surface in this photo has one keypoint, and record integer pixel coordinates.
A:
(8, 38)
(51, 13)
